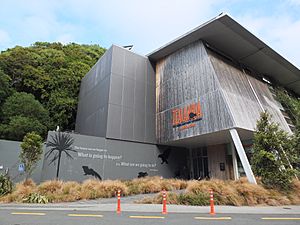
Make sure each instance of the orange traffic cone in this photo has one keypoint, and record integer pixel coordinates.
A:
(212, 205)
(164, 210)
(119, 202)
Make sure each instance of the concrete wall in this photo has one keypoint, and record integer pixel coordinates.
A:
(9, 159)
(112, 159)
(117, 98)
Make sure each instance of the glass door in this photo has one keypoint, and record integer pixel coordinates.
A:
(200, 163)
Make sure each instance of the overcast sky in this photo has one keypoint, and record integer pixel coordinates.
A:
(145, 24)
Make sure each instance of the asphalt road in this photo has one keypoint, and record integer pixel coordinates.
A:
(75, 217)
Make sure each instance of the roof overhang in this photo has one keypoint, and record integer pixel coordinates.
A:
(229, 37)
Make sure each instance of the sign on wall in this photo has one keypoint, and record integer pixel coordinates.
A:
(185, 117)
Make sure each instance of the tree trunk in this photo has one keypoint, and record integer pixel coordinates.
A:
(58, 165)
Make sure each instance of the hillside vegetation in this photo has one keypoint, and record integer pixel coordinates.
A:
(40, 86)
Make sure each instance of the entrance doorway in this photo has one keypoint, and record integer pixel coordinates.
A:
(200, 163)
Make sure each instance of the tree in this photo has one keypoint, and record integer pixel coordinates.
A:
(31, 152)
(5, 89)
(60, 143)
(19, 126)
(22, 114)
(24, 104)
(274, 153)
(52, 72)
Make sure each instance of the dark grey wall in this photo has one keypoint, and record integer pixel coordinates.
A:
(112, 159)
(131, 109)
(93, 98)
(117, 98)
(9, 158)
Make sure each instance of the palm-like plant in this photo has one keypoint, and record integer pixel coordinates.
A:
(61, 142)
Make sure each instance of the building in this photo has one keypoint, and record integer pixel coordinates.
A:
(186, 110)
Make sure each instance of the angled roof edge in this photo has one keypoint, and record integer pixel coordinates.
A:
(229, 37)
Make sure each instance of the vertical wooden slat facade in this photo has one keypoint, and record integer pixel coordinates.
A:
(225, 92)
(237, 84)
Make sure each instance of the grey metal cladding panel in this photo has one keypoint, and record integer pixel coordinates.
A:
(140, 69)
(101, 121)
(139, 124)
(98, 72)
(150, 99)
(116, 89)
(130, 65)
(88, 125)
(128, 92)
(94, 94)
(139, 95)
(103, 91)
(104, 65)
(118, 61)
(127, 124)
(139, 111)
(114, 121)
(90, 104)
(150, 134)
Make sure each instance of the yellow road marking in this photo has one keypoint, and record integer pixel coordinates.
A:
(212, 218)
(147, 217)
(280, 218)
(85, 215)
(28, 213)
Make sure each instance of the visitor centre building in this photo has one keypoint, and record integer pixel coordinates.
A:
(186, 110)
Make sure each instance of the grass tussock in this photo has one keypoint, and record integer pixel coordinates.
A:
(60, 191)
(154, 185)
(236, 193)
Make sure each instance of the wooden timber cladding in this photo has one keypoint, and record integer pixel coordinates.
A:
(236, 85)
(183, 78)
(225, 94)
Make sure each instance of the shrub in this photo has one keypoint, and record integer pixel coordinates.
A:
(31, 152)
(6, 185)
(274, 153)
(36, 198)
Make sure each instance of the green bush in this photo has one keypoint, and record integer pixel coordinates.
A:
(36, 198)
(6, 185)
(274, 153)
